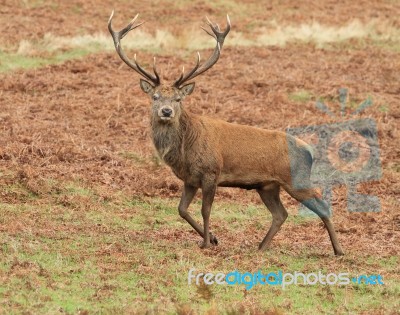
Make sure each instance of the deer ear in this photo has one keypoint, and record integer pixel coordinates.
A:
(187, 89)
(146, 86)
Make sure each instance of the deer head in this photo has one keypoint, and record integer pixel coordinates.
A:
(167, 99)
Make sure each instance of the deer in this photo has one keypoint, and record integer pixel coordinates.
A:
(206, 153)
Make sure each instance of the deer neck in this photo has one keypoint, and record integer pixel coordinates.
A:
(172, 140)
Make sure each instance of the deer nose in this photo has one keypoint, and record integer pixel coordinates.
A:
(167, 112)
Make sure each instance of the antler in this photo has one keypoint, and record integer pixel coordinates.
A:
(197, 70)
(117, 36)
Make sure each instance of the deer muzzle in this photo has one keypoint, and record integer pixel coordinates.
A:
(166, 113)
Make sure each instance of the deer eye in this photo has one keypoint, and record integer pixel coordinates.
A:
(178, 99)
(156, 97)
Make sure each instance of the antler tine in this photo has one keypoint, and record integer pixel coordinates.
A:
(228, 22)
(208, 21)
(130, 26)
(219, 36)
(111, 17)
(155, 70)
(117, 36)
(121, 34)
(184, 77)
(177, 82)
(208, 32)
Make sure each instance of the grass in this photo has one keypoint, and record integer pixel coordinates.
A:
(301, 96)
(13, 61)
(134, 157)
(32, 4)
(133, 255)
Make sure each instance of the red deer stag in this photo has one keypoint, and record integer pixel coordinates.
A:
(206, 153)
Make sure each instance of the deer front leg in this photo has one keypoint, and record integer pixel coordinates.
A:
(187, 196)
(208, 198)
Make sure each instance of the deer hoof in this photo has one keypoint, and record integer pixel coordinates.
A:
(213, 240)
(205, 245)
(262, 247)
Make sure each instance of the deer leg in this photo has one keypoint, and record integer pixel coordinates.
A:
(187, 196)
(271, 199)
(311, 199)
(321, 208)
(208, 198)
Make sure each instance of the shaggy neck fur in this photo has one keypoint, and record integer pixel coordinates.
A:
(173, 140)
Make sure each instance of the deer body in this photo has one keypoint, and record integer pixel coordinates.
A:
(206, 153)
(198, 146)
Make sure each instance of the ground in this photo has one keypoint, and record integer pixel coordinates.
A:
(88, 212)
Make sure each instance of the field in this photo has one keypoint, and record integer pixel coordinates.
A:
(88, 211)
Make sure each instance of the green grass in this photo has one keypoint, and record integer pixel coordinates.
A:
(301, 96)
(33, 4)
(133, 156)
(384, 108)
(133, 254)
(12, 61)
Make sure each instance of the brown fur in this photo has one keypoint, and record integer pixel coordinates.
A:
(206, 153)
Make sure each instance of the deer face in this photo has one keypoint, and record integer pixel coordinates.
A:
(166, 100)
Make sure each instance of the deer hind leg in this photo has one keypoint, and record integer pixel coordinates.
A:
(187, 196)
(271, 199)
(312, 200)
